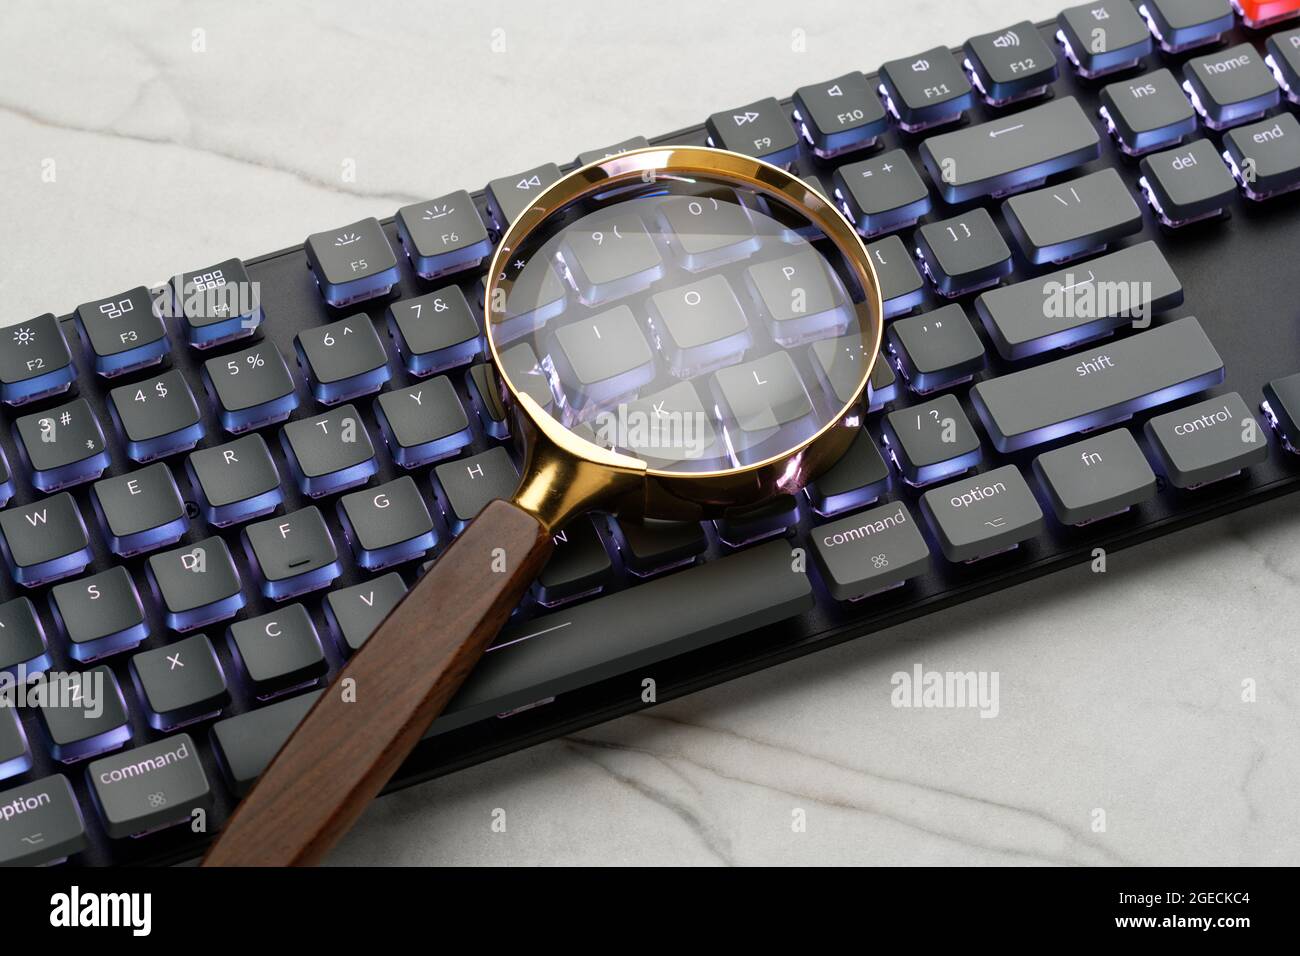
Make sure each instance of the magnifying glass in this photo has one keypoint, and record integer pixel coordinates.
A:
(680, 332)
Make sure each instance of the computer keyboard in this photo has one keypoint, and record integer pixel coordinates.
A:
(212, 491)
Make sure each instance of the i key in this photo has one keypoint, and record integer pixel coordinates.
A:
(62, 447)
(932, 441)
(157, 417)
(35, 361)
(353, 263)
(443, 235)
(293, 554)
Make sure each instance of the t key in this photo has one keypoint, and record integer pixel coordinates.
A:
(329, 453)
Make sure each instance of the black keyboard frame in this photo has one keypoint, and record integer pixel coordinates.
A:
(1256, 347)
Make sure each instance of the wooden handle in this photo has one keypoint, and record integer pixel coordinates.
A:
(379, 706)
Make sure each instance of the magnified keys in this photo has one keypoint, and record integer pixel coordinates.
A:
(610, 259)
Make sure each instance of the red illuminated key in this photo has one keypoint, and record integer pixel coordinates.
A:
(1258, 13)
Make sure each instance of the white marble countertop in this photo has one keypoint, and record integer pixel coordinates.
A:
(1119, 693)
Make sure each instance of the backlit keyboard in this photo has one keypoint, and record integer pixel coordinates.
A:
(211, 491)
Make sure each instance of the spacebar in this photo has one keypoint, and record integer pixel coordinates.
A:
(631, 629)
(1097, 386)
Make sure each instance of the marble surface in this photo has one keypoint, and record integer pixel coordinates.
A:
(1119, 692)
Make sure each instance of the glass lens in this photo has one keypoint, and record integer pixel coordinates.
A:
(693, 323)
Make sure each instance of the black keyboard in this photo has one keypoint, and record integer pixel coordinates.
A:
(211, 491)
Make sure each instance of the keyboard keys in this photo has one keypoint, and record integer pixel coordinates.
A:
(354, 613)
(40, 823)
(235, 482)
(627, 145)
(1208, 441)
(1012, 153)
(84, 715)
(63, 446)
(218, 304)
(762, 397)
(1100, 476)
(250, 388)
(180, 683)
(279, 651)
(838, 364)
(859, 478)
(603, 358)
(1265, 156)
(610, 258)
(247, 742)
(901, 287)
(44, 541)
(140, 511)
(708, 230)
(1103, 36)
(937, 349)
(931, 441)
(699, 327)
(925, 90)
(425, 422)
(676, 613)
(963, 253)
(196, 584)
(801, 299)
(651, 546)
(870, 552)
(1230, 86)
(1184, 24)
(35, 361)
(434, 332)
(123, 332)
(157, 417)
(1147, 113)
(1281, 406)
(741, 527)
(1283, 58)
(387, 524)
(1011, 64)
(151, 787)
(443, 235)
(292, 554)
(1072, 305)
(15, 756)
(343, 359)
(882, 387)
(1066, 221)
(579, 567)
(22, 639)
(329, 453)
(881, 194)
(1098, 386)
(537, 297)
(983, 515)
(760, 129)
(520, 364)
(1262, 13)
(839, 116)
(468, 484)
(484, 395)
(99, 615)
(1187, 184)
(508, 196)
(352, 263)
(694, 438)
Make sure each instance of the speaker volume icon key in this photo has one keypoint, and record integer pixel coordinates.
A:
(1008, 39)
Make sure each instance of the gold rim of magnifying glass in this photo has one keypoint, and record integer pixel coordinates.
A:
(684, 493)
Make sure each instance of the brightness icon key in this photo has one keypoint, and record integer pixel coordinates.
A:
(352, 263)
(34, 361)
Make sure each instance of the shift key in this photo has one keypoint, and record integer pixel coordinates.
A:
(1097, 386)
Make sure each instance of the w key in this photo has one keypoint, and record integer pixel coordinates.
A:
(1074, 218)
